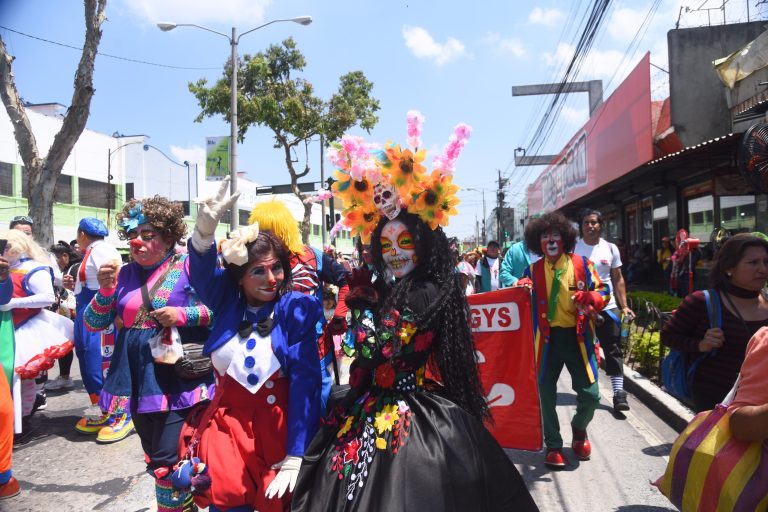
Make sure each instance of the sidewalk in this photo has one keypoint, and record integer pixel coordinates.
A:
(664, 405)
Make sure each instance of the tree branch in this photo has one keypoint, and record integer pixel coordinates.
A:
(25, 138)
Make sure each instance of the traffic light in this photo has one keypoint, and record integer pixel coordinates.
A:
(328, 223)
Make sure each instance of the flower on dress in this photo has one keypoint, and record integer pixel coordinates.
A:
(423, 341)
(407, 329)
(386, 418)
(351, 450)
(381, 443)
(391, 318)
(402, 407)
(345, 427)
(385, 376)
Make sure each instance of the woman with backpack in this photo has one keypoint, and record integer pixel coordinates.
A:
(737, 277)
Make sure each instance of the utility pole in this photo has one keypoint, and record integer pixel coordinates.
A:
(323, 233)
(499, 209)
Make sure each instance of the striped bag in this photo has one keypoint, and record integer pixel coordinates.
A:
(709, 470)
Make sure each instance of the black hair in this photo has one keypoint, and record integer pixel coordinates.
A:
(494, 243)
(729, 256)
(265, 243)
(552, 221)
(453, 352)
(61, 247)
(583, 214)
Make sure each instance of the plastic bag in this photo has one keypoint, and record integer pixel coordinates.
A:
(166, 346)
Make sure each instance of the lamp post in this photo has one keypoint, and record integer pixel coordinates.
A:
(185, 164)
(233, 40)
(110, 154)
(482, 191)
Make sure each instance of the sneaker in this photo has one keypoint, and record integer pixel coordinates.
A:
(620, 401)
(119, 430)
(60, 383)
(94, 425)
(9, 489)
(555, 458)
(26, 434)
(41, 402)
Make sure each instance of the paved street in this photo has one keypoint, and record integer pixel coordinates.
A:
(61, 470)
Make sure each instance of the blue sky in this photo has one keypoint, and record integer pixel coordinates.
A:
(455, 61)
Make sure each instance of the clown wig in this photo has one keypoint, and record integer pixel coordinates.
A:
(274, 216)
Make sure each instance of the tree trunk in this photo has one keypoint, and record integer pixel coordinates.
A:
(307, 222)
(42, 174)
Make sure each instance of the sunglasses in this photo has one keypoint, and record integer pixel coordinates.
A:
(147, 235)
(23, 218)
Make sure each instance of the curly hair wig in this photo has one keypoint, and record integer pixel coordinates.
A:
(166, 216)
(552, 221)
(453, 357)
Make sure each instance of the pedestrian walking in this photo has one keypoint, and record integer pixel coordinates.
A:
(487, 269)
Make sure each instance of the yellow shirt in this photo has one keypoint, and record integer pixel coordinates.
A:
(565, 312)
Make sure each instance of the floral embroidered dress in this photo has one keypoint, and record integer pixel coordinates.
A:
(132, 373)
(394, 443)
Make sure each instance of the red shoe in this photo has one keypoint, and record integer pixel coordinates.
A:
(9, 489)
(582, 448)
(555, 458)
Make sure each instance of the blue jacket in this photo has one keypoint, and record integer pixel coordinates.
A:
(514, 264)
(294, 340)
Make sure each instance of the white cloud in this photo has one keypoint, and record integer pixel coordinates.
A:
(511, 46)
(192, 154)
(574, 116)
(423, 46)
(625, 23)
(547, 17)
(598, 64)
(200, 11)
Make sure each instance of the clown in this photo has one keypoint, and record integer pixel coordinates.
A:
(567, 294)
(393, 442)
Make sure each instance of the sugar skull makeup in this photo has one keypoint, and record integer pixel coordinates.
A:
(398, 249)
(552, 244)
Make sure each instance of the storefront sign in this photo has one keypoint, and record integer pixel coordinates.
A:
(617, 139)
(502, 326)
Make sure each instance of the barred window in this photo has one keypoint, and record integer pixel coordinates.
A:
(63, 192)
(97, 193)
(6, 179)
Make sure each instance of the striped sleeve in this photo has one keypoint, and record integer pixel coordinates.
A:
(199, 315)
(597, 284)
(101, 311)
(688, 324)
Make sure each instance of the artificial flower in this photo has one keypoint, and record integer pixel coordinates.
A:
(437, 201)
(133, 218)
(406, 170)
(385, 376)
(235, 249)
(446, 162)
(361, 220)
(414, 119)
(406, 332)
(386, 418)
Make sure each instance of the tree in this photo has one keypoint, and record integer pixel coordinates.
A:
(43, 172)
(268, 95)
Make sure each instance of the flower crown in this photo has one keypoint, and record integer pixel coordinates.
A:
(372, 182)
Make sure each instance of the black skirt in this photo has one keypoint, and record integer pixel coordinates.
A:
(448, 461)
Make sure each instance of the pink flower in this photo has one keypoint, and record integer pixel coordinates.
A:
(414, 119)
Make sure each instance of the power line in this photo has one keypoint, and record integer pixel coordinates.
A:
(127, 59)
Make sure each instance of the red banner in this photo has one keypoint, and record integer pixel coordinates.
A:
(502, 326)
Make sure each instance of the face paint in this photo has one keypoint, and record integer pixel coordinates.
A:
(398, 249)
(552, 244)
(262, 280)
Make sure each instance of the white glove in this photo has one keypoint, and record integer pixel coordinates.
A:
(209, 213)
(285, 478)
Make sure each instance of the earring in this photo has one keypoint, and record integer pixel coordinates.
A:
(728, 274)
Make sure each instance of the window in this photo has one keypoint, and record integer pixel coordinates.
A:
(243, 218)
(6, 179)
(96, 193)
(737, 213)
(701, 211)
(315, 230)
(63, 192)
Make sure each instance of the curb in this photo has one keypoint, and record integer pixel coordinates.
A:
(664, 405)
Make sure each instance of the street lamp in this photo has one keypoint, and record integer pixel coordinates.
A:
(233, 40)
(481, 190)
(187, 165)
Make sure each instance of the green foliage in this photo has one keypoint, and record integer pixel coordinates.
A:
(662, 301)
(644, 351)
(268, 94)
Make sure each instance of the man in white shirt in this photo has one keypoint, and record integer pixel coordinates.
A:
(487, 269)
(96, 252)
(607, 261)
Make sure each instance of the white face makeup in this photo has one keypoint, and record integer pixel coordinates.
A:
(398, 249)
(552, 244)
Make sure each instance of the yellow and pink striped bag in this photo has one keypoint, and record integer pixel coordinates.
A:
(710, 471)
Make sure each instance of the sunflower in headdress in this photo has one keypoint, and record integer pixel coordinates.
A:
(362, 220)
(437, 201)
(405, 169)
(351, 191)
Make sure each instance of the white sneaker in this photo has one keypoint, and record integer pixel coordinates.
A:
(59, 383)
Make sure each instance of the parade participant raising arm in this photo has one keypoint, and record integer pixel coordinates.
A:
(264, 349)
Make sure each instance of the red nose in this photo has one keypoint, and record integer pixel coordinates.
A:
(136, 244)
